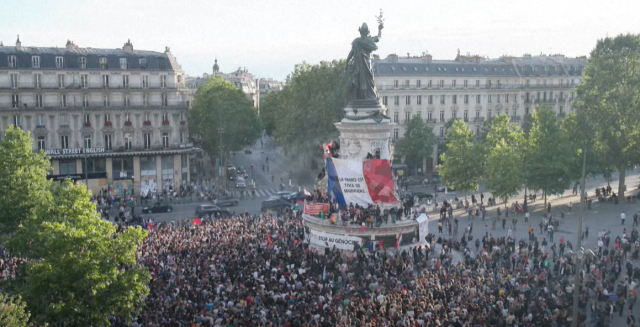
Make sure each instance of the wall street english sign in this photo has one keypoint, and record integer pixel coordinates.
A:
(59, 152)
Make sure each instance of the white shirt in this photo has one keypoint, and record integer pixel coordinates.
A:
(622, 216)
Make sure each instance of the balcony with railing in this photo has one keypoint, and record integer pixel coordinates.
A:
(478, 119)
(101, 88)
(152, 105)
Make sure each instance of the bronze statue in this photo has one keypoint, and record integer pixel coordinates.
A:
(361, 86)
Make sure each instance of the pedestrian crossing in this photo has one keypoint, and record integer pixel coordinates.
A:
(269, 192)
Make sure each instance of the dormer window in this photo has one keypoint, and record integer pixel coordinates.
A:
(123, 63)
(82, 62)
(35, 61)
(104, 64)
(13, 62)
(143, 63)
(59, 62)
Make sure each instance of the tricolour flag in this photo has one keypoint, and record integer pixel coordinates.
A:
(399, 240)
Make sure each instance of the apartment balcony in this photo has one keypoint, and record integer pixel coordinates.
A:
(89, 88)
(430, 121)
(516, 118)
(165, 123)
(146, 123)
(153, 105)
(478, 119)
(108, 124)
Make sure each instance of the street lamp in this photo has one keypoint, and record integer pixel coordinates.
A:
(576, 283)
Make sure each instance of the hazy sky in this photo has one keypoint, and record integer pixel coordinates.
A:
(269, 37)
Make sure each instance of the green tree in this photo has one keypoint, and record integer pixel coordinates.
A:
(460, 161)
(79, 270)
(548, 154)
(302, 115)
(503, 144)
(609, 99)
(417, 143)
(223, 117)
(13, 312)
(23, 179)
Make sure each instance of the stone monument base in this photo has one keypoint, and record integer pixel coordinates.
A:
(364, 130)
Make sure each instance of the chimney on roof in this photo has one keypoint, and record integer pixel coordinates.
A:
(70, 46)
(18, 44)
(128, 47)
(1, 44)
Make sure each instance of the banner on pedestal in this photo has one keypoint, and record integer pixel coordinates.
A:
(361, 182)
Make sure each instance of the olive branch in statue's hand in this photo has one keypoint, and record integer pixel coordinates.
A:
(380, 21)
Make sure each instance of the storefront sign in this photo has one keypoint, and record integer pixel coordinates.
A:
(342, 242)
(315, 209)
(58, 152)
(186, 145)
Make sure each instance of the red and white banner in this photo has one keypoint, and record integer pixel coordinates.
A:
(315, 209)
(361, 182)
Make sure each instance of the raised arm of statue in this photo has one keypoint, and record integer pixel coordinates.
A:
(380, 27)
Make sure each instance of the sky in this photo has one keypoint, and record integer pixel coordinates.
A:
(269, 37)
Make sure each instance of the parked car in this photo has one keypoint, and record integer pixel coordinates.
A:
(295, 197)
(414, 181)
(206, 209)
(240, 183)
(158, 207)
(423, 195)
(274, 203)
(247, 151)
(226, 201)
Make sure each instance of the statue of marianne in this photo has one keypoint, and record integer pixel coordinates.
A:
(361, 86)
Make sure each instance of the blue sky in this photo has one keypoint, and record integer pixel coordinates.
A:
(269, 37)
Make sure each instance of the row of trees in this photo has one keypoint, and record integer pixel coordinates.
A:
(78, 269)
(546, 154)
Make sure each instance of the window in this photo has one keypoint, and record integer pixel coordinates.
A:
(430, 116)
(488, 84)
(442, 116)
(87, 141)
(107, 118)
(87, 119)
(406, 83)
(97, 165)
(127, 117)
(182, 137)
(16, 121)
(38, 100)
(407, 117)
(163, 81)
(165, 140)
(41, 144)
(126, 100)
(161, 63)
(395, 117)
(64, 120)
(59, 62)
(82, 62)
(63, 101)
(455, 99)
(37, 81)
(107, 141)
(35, 61)
(488, 114)
(441, 131)
(419, 99)
(395, 84)
(125, 81)
(506, 98)
(441, 83)
(147, 116)
(145, 81)
(477, 130)
(143, 63)
(123, 63)
(430, 99)
(384, 100)
(15, 101)
(466, 83)
(64, 142)
(489, 98)
(477, 115)
(105, 100)
(85, 101)
(442, 99)
(14, 81)
(395, 133)
(418, 83)
(68, 167)
(145, 99)
(84, 81)
(515, 98)
(561, 109)
(383, 84)
(498, 98)
(466, 115)
(165, 101)
(148, 166)
(13, 62)
(396, 100)
(498, 113)
(105, 81)
(515, 112)
(454, 114)
(477, 83)
(147, 140)
(407, 100)
(61, 81)
(419, 114)
(466, 99)
(453, 83)
(104, 64)
(122, 167)
(127, 141)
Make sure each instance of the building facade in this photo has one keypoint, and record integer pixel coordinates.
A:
(122, 113)
(473, 89)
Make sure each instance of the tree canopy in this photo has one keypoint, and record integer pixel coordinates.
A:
(417, 143)
(303, 114)
(13, 312)
(609, 98)
(223, 117)
(23, 179)
(459, 166)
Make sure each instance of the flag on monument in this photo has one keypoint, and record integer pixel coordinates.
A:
(399, 241)
(197, 221)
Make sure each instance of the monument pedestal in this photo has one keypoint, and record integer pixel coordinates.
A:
(365, 129)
